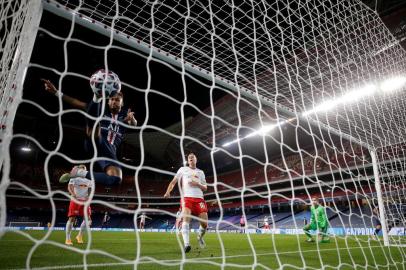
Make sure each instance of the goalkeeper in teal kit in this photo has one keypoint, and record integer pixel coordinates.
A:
(318, 221)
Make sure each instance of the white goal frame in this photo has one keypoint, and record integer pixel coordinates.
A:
(11, 91)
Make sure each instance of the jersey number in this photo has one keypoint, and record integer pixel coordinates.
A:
(201, 205)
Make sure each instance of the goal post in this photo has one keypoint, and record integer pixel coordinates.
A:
(379, 196)
(390, 193)
(20, 25)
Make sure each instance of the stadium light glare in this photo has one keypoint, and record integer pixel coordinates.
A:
(262, 131)
(349, 97)
(26, 149)
(393, 84)
(229, 143)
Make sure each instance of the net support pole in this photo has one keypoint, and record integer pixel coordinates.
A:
(381, 204)
(31, 12)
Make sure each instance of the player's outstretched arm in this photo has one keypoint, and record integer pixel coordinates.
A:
(50, 88)
(170, 187)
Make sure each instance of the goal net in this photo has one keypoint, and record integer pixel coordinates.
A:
(283, 102)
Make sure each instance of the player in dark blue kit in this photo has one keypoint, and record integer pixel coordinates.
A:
(108, 134)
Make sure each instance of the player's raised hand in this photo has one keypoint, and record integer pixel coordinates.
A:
(49, 87)
(129, 116)
(130, 119)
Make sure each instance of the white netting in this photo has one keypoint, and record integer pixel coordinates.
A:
(308, 90)
(18, 20)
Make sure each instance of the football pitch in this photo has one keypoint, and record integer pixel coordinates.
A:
(118, 250)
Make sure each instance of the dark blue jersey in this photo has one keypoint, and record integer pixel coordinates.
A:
(112, 132)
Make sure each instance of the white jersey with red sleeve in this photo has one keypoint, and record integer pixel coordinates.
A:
(81, 187)
(186, 175)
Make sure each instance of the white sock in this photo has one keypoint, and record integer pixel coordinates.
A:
(82, 227)
(185, 233)
(97, 99)
(82, 173)
(68, 229)
(202, 231)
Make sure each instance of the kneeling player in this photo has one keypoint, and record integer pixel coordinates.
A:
(193, 183)
(79, 189)
(318, 221)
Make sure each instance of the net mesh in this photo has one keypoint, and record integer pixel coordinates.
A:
(303, 104)
(294, 54)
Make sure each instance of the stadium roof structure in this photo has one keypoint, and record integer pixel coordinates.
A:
(289, 57)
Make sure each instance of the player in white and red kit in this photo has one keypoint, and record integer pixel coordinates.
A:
(193, 183)
(79, 189)
(242, 224)
(266, 223)
(142, 218)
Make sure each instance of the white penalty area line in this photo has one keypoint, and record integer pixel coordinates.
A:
(191, 260)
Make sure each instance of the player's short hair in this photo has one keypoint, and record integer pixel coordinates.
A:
(82, 166)
(316, 198)
(120, 94)
(191, 153)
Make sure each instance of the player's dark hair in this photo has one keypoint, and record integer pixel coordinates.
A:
(120, 94)
(190, 153)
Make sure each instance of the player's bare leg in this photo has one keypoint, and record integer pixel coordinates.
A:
(114, 171)
(202, 229)
(79, 237)
(142, 226)
(68, 230)
(186, 229)
(179, 228)
(306, 230)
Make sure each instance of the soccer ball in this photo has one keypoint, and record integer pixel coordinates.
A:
(107, 81)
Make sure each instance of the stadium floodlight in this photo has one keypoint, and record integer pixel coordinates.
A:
(393, 84)
(26, 149)
(349, 97)
(262, 131)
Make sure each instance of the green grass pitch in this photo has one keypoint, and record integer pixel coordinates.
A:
(162, 251)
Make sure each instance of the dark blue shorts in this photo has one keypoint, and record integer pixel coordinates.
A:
(104, 149)
(377, 222)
